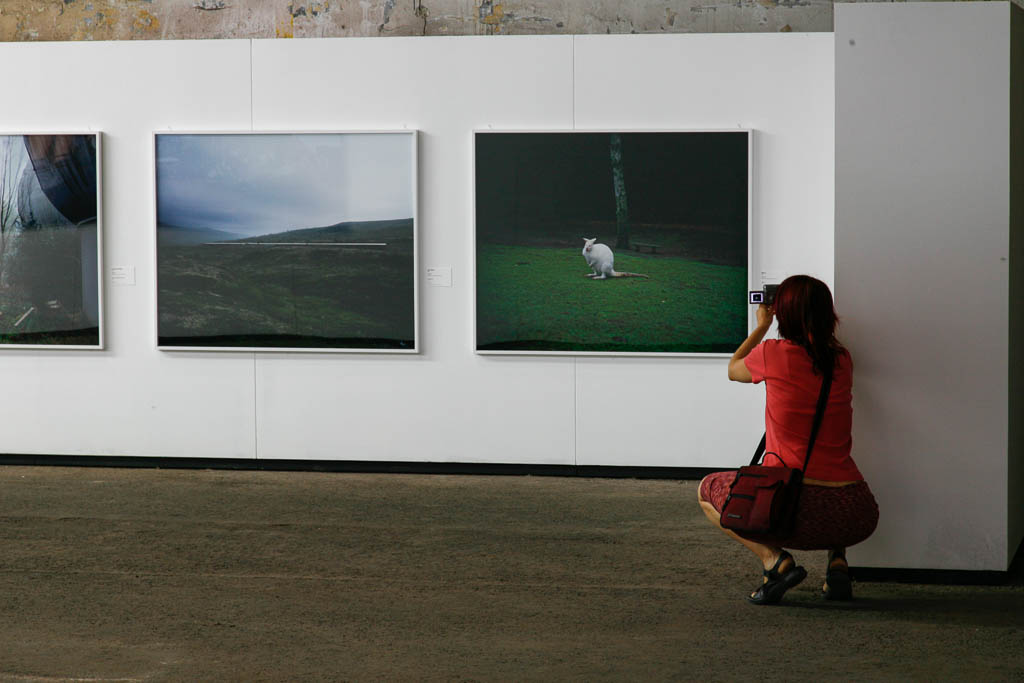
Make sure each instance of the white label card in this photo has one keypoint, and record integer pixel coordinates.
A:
(439, 276)
(122, 276)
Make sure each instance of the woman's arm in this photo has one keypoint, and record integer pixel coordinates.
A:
(738, 371)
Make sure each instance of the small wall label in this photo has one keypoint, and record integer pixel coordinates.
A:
(122, 276)
(439, 276)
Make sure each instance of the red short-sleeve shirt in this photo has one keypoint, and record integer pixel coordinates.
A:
(792, 394)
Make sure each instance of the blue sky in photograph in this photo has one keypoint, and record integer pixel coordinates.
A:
(255, 184)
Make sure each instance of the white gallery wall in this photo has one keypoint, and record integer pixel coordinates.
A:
(129, 399)
(445, 404)
(923, 269)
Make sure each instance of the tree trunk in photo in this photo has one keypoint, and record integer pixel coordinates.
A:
(517, 169)
(619, 182)
(9, 177)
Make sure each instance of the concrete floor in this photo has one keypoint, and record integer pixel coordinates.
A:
(168, 575)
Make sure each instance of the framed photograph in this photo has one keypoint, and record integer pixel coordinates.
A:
(605, 243)
(287, 241)
(50, 241)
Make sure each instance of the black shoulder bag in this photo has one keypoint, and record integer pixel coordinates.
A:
(763, 500)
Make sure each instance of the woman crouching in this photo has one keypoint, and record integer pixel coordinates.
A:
(836, 508)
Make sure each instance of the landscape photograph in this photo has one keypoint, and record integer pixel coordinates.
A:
(286, 240)
(608, 242)
(49, 241)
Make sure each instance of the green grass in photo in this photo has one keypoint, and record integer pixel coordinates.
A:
(539, 299)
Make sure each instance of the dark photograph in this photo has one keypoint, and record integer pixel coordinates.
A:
(611, 242)
(49, 241)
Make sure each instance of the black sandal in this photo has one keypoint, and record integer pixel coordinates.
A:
(838, 585)
(772, 590)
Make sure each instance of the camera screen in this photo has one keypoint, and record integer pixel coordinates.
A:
(757, 297)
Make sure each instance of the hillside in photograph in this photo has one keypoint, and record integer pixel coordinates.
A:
(260, 292)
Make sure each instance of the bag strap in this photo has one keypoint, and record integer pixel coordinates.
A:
(819, 414)
(759, 451)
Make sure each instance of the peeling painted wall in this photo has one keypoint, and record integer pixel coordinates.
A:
(22, 20)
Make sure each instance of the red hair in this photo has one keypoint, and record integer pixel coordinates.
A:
(807, 317)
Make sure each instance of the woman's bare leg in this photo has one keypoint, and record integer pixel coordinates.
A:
(768, 555)
(836, 561)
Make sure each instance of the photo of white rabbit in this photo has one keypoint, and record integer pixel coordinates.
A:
(611, 242)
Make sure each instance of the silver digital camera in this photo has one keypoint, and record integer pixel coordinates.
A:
(765, 296)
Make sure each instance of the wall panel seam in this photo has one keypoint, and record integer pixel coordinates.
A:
(572, 80)
(575, 360)
(255, 410)
(575, 411)
(252, 105)
(255, 368)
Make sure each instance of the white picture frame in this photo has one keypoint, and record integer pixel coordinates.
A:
(413, 346)
(741, 304)
(90, 250)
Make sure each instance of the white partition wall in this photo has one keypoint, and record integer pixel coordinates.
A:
(452, 405)
(445, 404)
(129, 399)
(668, 411)
(923, 274)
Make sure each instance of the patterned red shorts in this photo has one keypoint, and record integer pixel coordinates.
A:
(827, 516)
